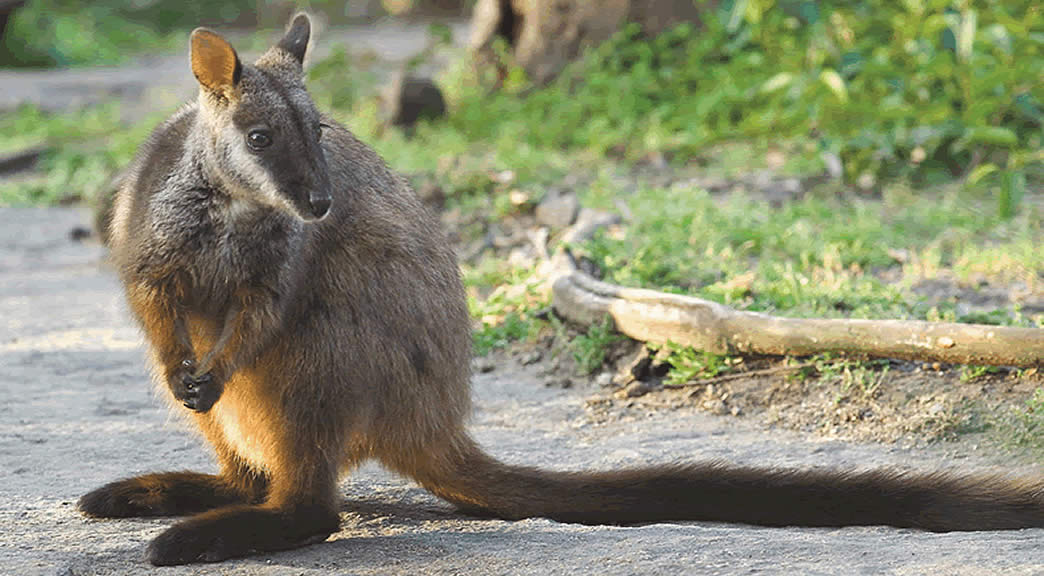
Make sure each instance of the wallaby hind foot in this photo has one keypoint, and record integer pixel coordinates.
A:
(237, 531)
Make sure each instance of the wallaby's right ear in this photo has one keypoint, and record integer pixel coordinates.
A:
(295, 41)
(214, 62)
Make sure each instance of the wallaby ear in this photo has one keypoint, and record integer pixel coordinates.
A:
(295, 41)
(214, 62)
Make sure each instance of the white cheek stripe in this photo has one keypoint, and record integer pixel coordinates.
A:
(265, 189)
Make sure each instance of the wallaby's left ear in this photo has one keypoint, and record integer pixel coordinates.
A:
(214, 62)
(295, 41)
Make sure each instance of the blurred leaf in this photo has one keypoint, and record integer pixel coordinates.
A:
(981, 171)
(736, 9)
(966, 35)
(998, 34)
(440, 33)
(989, 135)
(776, 83)
(1027, 106)
(835, 83)
(1013, 187)
(809, 12)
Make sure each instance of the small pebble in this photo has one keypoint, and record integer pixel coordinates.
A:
(531, 357)
(485, 365)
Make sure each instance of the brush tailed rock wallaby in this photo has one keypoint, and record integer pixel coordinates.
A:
(308, 311)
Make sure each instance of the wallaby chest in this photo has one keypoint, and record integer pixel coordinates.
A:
(212, 247)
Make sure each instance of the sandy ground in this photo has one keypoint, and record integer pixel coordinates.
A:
(76, 411)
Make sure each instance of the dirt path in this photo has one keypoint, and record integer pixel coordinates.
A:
(76, 411)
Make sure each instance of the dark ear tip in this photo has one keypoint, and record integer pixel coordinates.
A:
(296, 39)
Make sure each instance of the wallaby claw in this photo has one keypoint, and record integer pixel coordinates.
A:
(197, 393)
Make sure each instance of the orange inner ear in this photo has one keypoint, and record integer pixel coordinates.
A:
(214, 61)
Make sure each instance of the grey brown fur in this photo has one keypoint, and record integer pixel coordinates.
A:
(308, 311)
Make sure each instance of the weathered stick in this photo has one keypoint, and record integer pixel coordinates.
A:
(648, 315)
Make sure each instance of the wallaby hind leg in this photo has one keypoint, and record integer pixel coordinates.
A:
(163, 494)
(236, 531)
(175, 493)
(300, 509)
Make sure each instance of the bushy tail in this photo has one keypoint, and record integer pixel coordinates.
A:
(466, 476)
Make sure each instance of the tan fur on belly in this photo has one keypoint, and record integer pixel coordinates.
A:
(243, 430)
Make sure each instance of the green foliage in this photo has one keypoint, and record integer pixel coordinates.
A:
(590, 349)
(688, 364)
(1026, 427)
(627, 94)
(861, 377)
(505, 314)
(82, 150)
(338, 82)
(512, 327)
(816, 255)
(70, 32)
(884, 86)
(974, 372)
(912, 88)
(1019, 429)
(875, 84)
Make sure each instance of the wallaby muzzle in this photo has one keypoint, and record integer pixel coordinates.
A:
(317, 187)
(319, 197)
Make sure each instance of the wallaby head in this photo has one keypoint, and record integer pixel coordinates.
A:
(261, 130)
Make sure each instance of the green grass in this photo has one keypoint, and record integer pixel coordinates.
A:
(82, 150)
(46, 33)
(590, 348)
(1017, 430)
(824, 254)
(853, 377)
(688, 365)
(973, 372)
(1026, 427)
(503, 300)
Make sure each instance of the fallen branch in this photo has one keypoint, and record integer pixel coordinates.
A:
(651, 316)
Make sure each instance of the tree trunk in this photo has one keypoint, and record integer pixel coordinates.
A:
(545, 35)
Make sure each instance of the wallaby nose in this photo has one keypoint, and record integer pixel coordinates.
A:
(320, 205)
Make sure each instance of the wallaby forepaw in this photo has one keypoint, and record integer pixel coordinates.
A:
(197, 393)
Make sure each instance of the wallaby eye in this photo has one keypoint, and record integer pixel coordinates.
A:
(319, 130)
(258, 139)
